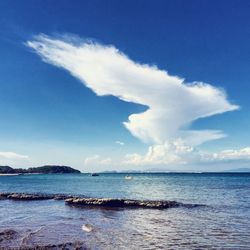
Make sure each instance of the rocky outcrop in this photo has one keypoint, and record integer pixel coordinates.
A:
(7, 235)
(96, 202)
(69, 246)
(120, 203)
(4, 196)
(30, 197)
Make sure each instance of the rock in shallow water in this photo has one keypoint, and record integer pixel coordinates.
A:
(7, 234)
(21, 196)
(30, 197)
(120, 203)
(4, 196)
(64, 246)
(97, 202)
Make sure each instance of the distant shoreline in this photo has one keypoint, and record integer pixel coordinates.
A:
(16, 174)
(132, 173)
(9, 174)
(47, 169)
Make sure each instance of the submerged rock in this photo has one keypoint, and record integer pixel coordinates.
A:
(62, 196)
(34, 196)
(97, 202)
(65, 246)
(7, 235)
(120, 203)
(28, 197)
(4, 196)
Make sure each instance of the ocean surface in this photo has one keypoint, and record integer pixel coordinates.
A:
(221, 222)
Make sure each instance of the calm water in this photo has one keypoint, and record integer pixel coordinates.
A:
(223, 223)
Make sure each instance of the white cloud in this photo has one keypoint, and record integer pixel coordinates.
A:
(96, 160)
(229, 155)
(175, 152)
(172, 104)
(13, 159)
(120, 143)
(178, 153)
(12, 155)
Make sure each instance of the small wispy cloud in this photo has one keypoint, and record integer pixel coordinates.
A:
(97, 160)
(13, 159)
(12, 155)
(120, 143)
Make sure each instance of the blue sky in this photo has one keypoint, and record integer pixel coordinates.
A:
(49, 116)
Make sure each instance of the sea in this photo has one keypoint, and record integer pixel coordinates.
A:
(220, 218)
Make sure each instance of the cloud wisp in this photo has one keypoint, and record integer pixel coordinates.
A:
(13, 159)
(12, 155)
(121, 143)
(96, 160)
(173, 105)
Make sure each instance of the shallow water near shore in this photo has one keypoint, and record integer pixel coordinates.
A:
(223, 223)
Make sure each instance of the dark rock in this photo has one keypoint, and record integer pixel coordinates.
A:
(96, 202)
(35, 196)
(8, 234)
(29, 197)
(62, 196)
(65, 246)
(4, 196)
(120, 203)
(151, 204)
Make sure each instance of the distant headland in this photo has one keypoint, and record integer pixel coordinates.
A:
(47, 169)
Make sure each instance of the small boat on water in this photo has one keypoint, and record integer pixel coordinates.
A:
(128, 177)
(94, 174)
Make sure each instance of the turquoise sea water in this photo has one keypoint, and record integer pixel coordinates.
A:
(223, 223)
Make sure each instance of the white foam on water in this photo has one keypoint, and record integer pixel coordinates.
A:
(87, 228)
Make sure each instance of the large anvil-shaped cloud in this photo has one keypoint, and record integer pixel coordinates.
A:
(172, 104)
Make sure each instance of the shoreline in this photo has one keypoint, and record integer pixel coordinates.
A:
(10, 174)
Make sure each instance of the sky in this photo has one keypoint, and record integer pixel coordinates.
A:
(120, 85)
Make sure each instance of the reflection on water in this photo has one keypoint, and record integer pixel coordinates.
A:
(50, 222)
(223, 224)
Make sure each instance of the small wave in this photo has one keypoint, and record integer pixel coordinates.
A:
(193, 205)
